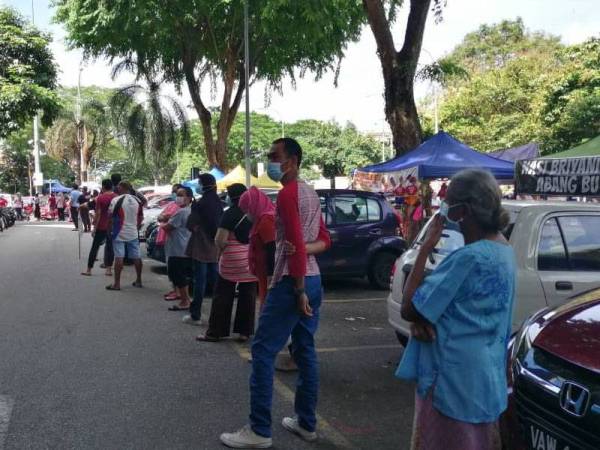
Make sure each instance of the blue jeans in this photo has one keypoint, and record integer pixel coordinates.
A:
(280, 319)
(204, 274)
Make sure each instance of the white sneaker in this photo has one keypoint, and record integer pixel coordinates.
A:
(245, 438)
(292, 424)
(188, 319)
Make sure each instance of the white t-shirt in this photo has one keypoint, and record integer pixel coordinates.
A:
(126, 219)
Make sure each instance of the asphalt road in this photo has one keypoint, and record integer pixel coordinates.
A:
(84, 368)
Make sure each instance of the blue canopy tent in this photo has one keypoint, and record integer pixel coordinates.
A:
(442, 156)
(55, 186)
(527, 151)
(215, 172)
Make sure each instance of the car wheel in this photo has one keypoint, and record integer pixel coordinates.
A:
(380, 269)
(402, 339)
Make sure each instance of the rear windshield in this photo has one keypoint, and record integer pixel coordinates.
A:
(452, 239)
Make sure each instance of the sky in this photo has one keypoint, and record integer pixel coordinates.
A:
(359, 95)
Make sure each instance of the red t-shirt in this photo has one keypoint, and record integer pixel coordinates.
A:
(3, 202)
(102, 204)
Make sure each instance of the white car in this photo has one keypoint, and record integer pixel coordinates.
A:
(557, 248)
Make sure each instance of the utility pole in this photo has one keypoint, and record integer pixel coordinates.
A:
(247, 84)
(79, 130)
(38, 177)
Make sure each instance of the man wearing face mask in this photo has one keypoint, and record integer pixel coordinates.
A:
(179, 265)
(291, 307)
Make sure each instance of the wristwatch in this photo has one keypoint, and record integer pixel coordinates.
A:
(299, 291)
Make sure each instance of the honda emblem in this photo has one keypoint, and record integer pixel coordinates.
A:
(574, 398)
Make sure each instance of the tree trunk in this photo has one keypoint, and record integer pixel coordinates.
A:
(216, 151)
(399, 68)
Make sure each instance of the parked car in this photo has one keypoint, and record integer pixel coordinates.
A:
(554, 373)
(557, 248)
(365, 236)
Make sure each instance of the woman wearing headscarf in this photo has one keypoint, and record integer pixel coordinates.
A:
(203, 223)
(461, 322)
(232, 241)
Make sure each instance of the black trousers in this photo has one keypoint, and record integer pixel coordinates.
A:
(75, 216)
(101, 237)
(61, 214)
(219, 324)
(85, 219)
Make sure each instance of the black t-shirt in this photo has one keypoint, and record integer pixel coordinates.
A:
(235, 220)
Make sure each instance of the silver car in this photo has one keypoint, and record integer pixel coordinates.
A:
(557, 248)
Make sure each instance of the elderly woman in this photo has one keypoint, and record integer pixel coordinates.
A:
(461, 322)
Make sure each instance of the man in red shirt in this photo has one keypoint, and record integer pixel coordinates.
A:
(291, 307)
(101, 233)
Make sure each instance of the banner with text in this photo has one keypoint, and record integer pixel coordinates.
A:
(578, 177)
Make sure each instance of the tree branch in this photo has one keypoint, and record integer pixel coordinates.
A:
(383, 35)
(413, 37)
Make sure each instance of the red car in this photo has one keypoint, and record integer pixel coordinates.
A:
(554, 377)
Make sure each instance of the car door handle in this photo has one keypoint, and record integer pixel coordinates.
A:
(376, 232)
(563, 286)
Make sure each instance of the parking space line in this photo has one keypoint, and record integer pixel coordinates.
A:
(6, 406)
(357, 348)
(355, 300)
(324, 427)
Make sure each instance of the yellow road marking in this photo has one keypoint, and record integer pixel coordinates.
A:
(355, 300)
(323, 426)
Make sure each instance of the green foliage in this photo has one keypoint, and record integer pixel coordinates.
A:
(523, 87)
(152, 126)
(193, 41)
(571, 109)
(27, 73)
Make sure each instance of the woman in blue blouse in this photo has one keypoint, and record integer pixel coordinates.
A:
(461, 322)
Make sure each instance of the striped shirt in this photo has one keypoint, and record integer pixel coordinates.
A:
(233, 263)
(298, 220)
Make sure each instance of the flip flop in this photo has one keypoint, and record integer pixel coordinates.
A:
(178, 308)
(206, 338)
(172, 299)
(137, 285)
(110, 287)
(85, 274)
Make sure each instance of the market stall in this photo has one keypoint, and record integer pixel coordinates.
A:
(441, 156)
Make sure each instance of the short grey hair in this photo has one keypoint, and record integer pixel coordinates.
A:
(479, 190)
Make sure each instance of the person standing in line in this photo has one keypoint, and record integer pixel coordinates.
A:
(465, 304)
(232, 241)
(179, 266)
(291, 308)
(18, 203)
(60, 206)
(36, 207)
(74, 206)
(203, 223)
(84, 209)
(127, 214)
(168, 211)
(101, 232)
(52, 206)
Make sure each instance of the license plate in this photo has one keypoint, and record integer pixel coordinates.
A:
(540, 439)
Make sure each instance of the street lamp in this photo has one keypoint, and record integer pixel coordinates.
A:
(247, 84)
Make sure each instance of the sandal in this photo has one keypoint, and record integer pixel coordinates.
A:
(207, 338)
(178, 308)
(85, 274)
(137, 284)
(110, 287)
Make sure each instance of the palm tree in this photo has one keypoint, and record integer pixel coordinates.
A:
(150, 124)
(76, 140)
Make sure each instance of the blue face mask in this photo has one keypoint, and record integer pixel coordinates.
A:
(445, 209)
(274, 171)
